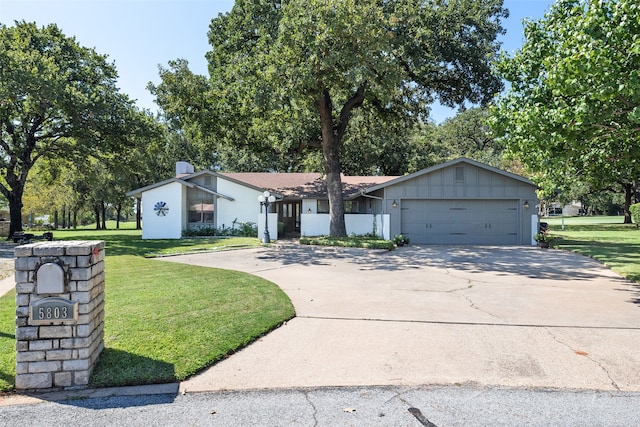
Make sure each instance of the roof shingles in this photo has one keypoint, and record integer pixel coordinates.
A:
(306, 185)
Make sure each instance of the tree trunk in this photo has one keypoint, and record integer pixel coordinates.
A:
(75, 219)
(332, 167)
(103, 206)
(628, 197)
(55, 219)
(332, 136)
(15, 215)
(96, 211)
(69, 218)
(138, 214)
(118, 209)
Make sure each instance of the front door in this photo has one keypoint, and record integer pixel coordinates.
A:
(290, 216)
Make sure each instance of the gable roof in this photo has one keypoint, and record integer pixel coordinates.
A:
(305, 185)
(313, 185)
(446, 165)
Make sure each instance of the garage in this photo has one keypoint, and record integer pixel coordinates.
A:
(460, 222)
(460, 202)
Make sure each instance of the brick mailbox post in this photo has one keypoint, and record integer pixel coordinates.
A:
(59, 313)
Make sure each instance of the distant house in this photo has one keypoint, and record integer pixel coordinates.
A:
(457, 202)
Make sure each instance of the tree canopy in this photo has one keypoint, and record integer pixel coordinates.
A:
(57, 100)
(291, 78)
(573, 109)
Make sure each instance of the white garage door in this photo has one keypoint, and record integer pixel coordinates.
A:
(460, 222)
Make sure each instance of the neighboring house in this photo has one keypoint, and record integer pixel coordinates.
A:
(457, 202)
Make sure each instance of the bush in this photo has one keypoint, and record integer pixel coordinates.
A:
(350, 242)
(635, 213)
(238, 229)
(400, 240)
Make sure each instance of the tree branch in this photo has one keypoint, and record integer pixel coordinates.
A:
(626, 102)
(355, 101)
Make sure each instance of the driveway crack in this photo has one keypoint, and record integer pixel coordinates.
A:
(472, 304)
(584, 354)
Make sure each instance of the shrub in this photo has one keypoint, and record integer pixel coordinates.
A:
(350, 242)
(245, 229)
(238, 229)
(400, 240)
(635, 213)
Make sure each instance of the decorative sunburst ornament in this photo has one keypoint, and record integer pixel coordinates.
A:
(161, 209)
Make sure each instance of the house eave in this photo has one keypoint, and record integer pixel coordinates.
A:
(215, 193)
(137, 193)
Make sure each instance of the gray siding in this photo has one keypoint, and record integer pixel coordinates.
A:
(478, 184)
(463, 182)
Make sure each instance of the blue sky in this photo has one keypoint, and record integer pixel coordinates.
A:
(138, 35)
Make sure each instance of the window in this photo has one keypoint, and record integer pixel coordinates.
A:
(207, 180)
(351, 207)
(201, 210)
(323, 206)
(287, 210)
(460, 174)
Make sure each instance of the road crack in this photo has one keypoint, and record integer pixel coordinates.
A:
(315, 410)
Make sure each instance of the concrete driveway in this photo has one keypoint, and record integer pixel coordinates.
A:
(423, 315)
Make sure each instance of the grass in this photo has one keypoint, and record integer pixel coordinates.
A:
(604, 238)
(127, 241)
(164, 321)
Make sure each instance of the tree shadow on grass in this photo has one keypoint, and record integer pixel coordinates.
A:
(127, 244)
(117, 368)
(8, 379)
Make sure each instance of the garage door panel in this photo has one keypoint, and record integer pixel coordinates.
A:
(485, 222)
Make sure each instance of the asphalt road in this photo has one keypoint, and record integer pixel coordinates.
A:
(344, 406)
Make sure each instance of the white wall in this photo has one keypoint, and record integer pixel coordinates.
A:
(534, 227)
(163, 227)
(244, 207)
(358, 224)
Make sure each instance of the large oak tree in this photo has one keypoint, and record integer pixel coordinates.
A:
(273, 62)
(57, 99)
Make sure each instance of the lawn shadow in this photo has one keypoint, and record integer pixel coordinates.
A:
(117, 244)
(122, 368)
(9, 379)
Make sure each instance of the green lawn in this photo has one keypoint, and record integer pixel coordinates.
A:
(164, 321)
(604, 238)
